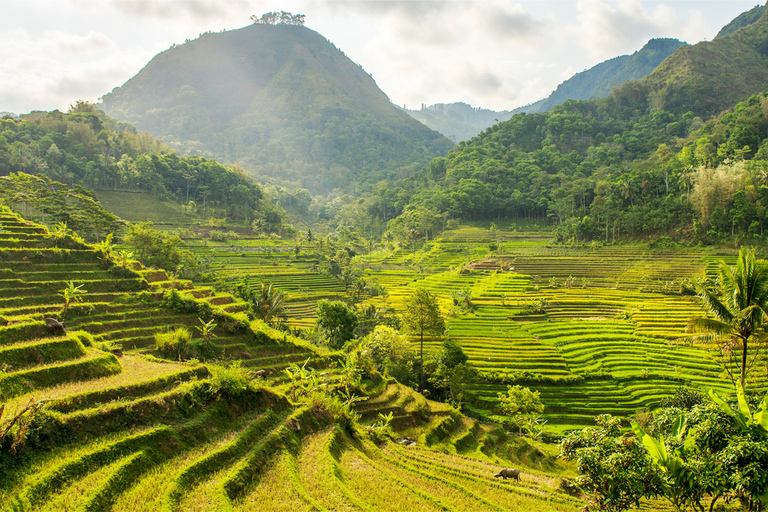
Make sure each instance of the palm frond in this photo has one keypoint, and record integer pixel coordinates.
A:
(711, 326)
(716, 307)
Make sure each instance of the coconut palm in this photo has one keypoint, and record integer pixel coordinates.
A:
(739, 313)
(267, 303)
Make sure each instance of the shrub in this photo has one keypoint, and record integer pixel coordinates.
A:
(232, 381)
(684, 398)
(174, 344)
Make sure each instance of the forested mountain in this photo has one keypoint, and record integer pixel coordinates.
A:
(744, 19)
(644, 161)
(280, 101)
(708, 77)
(460, 121)
(85, 147)
(598, 81)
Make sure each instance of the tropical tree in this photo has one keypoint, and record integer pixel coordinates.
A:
(360, 287)
(206, 332)
(520, 403)
(738, 314)
(267, 303)
(105, 248)
(337, 320)
(422, 316)
(125, 258)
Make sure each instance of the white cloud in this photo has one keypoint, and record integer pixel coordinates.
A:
(56, 69)
(608, 29)
(503, 20)
(203, 10)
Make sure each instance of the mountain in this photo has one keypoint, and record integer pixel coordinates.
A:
(598, 81)
(708, 77)
(280, 101)
(459, 121)
(742, 20)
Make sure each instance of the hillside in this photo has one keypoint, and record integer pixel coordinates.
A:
(86, 148)
(109, 425)
(598, 81)
(742, 20)
(280, 101)
(708, 77)
(459, 121)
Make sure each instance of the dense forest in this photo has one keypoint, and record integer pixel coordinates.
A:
(87, 148)
(600, 170)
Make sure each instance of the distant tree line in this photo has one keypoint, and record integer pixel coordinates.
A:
(278, 18)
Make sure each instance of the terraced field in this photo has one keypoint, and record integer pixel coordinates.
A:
(123, 430)
(568, 321)
(597, 329)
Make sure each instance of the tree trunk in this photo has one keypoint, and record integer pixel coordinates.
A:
(743, 362)
(421, 366)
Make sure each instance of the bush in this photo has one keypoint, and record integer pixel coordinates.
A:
(232, 381)
(174, 344)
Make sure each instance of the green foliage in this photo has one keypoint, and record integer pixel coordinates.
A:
(71, 294)
(157, 249)
(179, 345)
(15, 426)
(521, 404)
(739, 312)
(422, 316)
(304, 125)
(232, 381)
(337, 321)
(174, 344)
(684, 398)
(386, 348)
(450, 375)
(615, 470)
(265, 301)
(62, 207)
(90, 149)
(206, 331)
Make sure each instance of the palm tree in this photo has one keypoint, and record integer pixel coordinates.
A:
(740, 312)
(360, 286)
(266, 301)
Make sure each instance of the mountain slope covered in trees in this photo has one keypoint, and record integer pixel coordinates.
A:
(460, 121)
(744, 19)
(708, 77)
(598, 81)
(87, 148)
(282, 102)
(642, 162)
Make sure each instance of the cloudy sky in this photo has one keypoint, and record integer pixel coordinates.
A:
(497, 54)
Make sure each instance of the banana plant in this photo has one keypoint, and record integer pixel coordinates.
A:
(682, 487)
(744, 418)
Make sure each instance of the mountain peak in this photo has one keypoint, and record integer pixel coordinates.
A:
(279, 100)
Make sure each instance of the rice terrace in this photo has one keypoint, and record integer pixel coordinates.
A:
(247, 280)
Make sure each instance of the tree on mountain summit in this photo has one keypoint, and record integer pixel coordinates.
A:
(278, 18)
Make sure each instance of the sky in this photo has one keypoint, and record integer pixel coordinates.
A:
(495, 54)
